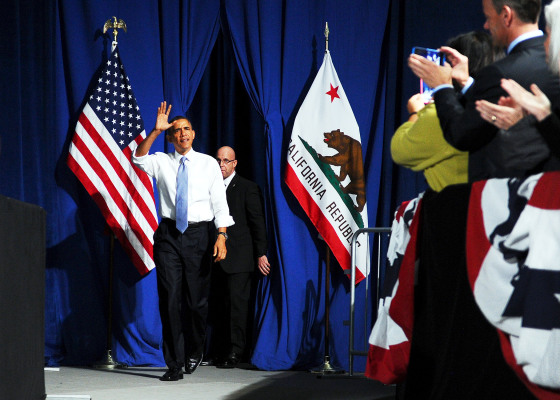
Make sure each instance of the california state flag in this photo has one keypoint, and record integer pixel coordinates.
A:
(325, 168)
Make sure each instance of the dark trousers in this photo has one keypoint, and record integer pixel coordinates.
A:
(230, 302)
(183, 266)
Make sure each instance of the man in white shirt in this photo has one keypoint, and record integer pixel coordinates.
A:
(183, 259)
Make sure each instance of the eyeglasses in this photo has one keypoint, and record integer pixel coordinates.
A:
(224, 161)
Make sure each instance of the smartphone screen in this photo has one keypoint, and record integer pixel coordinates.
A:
(432, 55)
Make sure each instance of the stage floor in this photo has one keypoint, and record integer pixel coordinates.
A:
(208, 383)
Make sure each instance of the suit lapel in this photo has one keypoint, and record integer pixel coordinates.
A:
(232, 186)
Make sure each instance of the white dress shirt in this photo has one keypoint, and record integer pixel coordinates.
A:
(207, 194)
(228, 180)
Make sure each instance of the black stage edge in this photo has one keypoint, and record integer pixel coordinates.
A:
(22, 300)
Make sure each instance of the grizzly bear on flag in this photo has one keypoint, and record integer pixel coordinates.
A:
(349, 158)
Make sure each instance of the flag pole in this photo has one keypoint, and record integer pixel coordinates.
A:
(326, 37)
(326, 368)
(107, 361)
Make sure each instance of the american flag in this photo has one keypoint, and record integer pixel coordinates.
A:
(512, 258)
(512, 264)
(108, 130)
(389, 342)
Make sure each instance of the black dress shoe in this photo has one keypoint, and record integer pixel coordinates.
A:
(192, 364)
(172, 374)
(230, 362)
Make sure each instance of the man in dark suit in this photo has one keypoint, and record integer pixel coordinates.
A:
(246, 246)
(513, 24)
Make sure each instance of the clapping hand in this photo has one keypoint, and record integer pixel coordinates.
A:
(503, 115)
(510, 110)
(535, 103)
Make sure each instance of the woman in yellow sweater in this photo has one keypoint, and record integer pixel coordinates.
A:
(418, 144)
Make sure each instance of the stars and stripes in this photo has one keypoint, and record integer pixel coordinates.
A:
(513, 267)
(513, 264)
(109, 129)
(389, 342)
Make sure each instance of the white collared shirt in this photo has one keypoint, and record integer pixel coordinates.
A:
(207, 194)
(525, 36)
(228, 179)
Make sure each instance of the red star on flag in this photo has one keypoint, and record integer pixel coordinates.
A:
(333, 93)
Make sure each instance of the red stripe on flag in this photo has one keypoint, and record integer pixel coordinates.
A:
(546, 194)
(401, 210)
(540, 392)
(142, 176)
(477, 242)
(388, 366)
(131, 206)
(120, 170)
(402, 305)
(111, 221)
(114, 195)
(320, 222)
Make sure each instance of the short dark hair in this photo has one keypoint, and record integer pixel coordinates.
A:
(526, 10)
(178, 117)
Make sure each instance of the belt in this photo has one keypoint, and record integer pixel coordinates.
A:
(191, 223)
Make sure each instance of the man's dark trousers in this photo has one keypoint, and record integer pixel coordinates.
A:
(183, 266)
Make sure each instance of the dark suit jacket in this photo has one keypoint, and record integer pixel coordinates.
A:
(462, 125)
(550, 129)
(247, 237)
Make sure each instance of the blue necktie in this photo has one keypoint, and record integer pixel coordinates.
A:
(182, 199)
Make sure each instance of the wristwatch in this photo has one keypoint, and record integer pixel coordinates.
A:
(223, 234)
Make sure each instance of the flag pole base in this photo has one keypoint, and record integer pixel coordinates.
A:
(108, 363)
(326, 368)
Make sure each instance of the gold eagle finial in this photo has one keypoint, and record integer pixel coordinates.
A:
(115, 25)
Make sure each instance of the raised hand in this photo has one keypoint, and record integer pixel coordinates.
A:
(161, 125)
(163, 111)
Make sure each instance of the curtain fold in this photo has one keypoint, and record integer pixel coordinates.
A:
(188, 32)
(51, 57)
(278, 48)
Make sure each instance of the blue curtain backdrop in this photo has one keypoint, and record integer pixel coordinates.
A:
(240, 69)
(279, 49)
